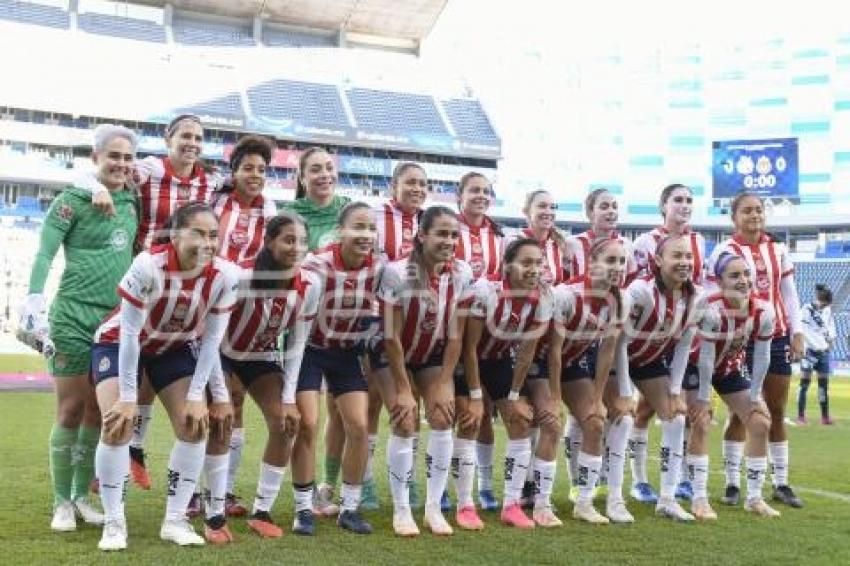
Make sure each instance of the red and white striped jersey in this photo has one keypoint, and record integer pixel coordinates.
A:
(175, 304)
(480, 247)
(509, 315)
(769, 263)
(730, 332)
(426, 313)
(554, 262)
(241, 228)
(396, 230)
(261, 315)
(657, 320)
(162, 191)
(585, 316)
(646, 244)
(578, 252)
(347, 299)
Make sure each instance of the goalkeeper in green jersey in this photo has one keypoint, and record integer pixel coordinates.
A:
(98, 251)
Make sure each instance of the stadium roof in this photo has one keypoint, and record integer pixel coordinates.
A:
(399, 19)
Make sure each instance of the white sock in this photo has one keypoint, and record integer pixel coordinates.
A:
(437, 464)
(672, 433)
(237, 441)
(573, 438)
(544, 481)
(588, 475)
(535, 436)
(756, 470)
(415, 452)
(112, 467)
(698, 474)
(615, 446)
(303, 494)
(639, 447)
(684, 474)
(517, 457)
(184, 467)
(140, 425)
(463, 467)
(215, 470)
(603, 470)
(778, 453)
(268, 486)
(400, 466)
(368, 474)
(484, 455)
(733, 453)
(350, 496)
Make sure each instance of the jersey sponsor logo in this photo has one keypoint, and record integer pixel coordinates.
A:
(184, 192)
(238, 239)
(243, 220)
(104, 364)
(119, 239)
(477, 267)
(274, 321)
(180, 310)
(65, 212)
(477, 248)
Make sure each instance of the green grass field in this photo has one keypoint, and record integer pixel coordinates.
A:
(817, 534)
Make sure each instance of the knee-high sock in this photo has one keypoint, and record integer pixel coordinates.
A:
(62, 442)
(517, 457)
(544, 481)
(639, 447)
(672, 433)
(573, 437)
(603, 470)
(588, 475)
(350, 496)
(141, 425)
(698, 474)
(112, 465)
(368, 474)
(733, 453)
(463, 470)
(535, 436)
(400, 467)
(332, 465)
(237, 441)
(268, 486)
(756, 470)
(684, 473)
(484, 457)
(184, 467)
(615, 446)
(215, 470)
(84, 450)
(778, 453)
(801, 395)
(437, 464)
(823, 397)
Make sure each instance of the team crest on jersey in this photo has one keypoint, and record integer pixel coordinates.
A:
(60, 361)
(180, 310)
(407, 233)
(65, 212)
(238, 239)
(763, 283)
(119, 239)
(243, 220)
(104, 364)
(348, 301)
(477, 267)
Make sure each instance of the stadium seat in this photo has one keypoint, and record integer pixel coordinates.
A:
(117, 26)
(227, 105)
(36, 14)
(400, 112)
(274, 37)
(306, 103)
(211, 34)
(469, 121)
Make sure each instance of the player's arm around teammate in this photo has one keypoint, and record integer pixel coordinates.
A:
(170, 296)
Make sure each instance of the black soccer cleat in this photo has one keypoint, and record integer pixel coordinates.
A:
(352, 521)
(784, 494)
(732, 496)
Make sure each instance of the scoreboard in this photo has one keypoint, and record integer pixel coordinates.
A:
(768, 167)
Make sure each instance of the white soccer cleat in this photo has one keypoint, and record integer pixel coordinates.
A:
(545, 517)
(670, 508)
(403, 523)
(180, 532)
(617, 511)
(64, 519)
(114, 535)
(702, 511)
(435, 521)
(584, 511)
(760, 508)
(87, 512)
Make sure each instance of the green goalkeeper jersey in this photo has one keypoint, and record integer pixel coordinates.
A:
(98, 248)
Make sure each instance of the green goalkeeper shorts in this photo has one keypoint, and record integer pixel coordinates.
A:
(72, 328)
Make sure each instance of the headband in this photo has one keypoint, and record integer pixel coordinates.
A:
(723, 261)
(172, 125)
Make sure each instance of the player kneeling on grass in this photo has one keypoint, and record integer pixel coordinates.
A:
(97, 254)
(733, 317)
(172, 297)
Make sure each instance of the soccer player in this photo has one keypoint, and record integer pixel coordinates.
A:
(601, 209)
(163, 185)
(676, 205)
(774, 282)
(175, 304)
(654, 353)
(481, 246)
(242, 213)
(275, 296)
(819, 328)
(423, 301)
(508, 316)
(589, 313)
(733, 317)
(97, 253)
(348, 272)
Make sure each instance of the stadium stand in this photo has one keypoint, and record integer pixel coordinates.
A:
(190, 31)
(275, 37)
(469, 121)
(117, 26)
(227, 105)
(396, 111)
(308, 103)
(833, 274)
(36, 14)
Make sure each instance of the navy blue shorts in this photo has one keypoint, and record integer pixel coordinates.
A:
(582, 368)
(378, 358)
(341, 369)
(780, 356)
(723, 384)
(658, 368)
(496, 377)
(249, 370)
(816, 361)
(162, 370)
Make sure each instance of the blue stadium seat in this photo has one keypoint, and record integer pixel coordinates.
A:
(212, 34)
(36, 14)
(469, 121)
(117, 26)
(307, 103)
(386, 111)
(227, 105)
(273, 37)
